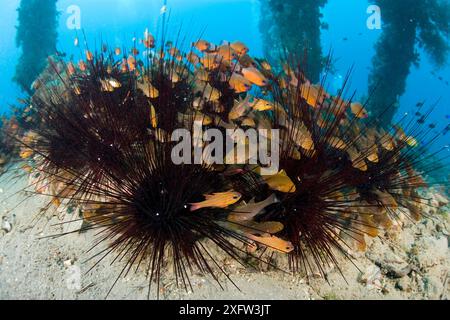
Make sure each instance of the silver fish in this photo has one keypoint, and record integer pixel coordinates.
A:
(240, 108)
(251, 209)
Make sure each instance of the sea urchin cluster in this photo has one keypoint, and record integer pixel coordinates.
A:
(102, 139)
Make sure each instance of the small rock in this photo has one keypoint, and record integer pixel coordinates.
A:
(429, 225)
(403, 284)
(6, 225)
(429, 210)
(392, 264)
(440, 199)
(385, 290)
(67, 263)
(406, 240)
(433, 202)
(370, 276)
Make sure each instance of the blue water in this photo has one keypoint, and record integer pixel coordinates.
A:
(117, 21)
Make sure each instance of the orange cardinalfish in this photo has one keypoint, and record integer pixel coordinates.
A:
(265, 65)
(131, 61)
(147, 88)
(280, 182)
(255, 76)
(263, 105)
(82, 65)
(226, 52)
(26, 153)
(70, 69)
(149, 40)
(193, 58)
(239, 47)
(274, 243)
(239, 84)
(202, 45)
(358, 110)
(217, 200)
(211, 61)
(89, 55)
(313, 94)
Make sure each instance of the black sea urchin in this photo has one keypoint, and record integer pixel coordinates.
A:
(102, 141)
(148, 215)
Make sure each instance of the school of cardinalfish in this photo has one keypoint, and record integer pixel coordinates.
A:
(218, 72)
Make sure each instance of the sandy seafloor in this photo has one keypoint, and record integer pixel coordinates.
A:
(411, 264)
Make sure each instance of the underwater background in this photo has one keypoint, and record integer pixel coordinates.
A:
(356, 92)
(343, 32)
